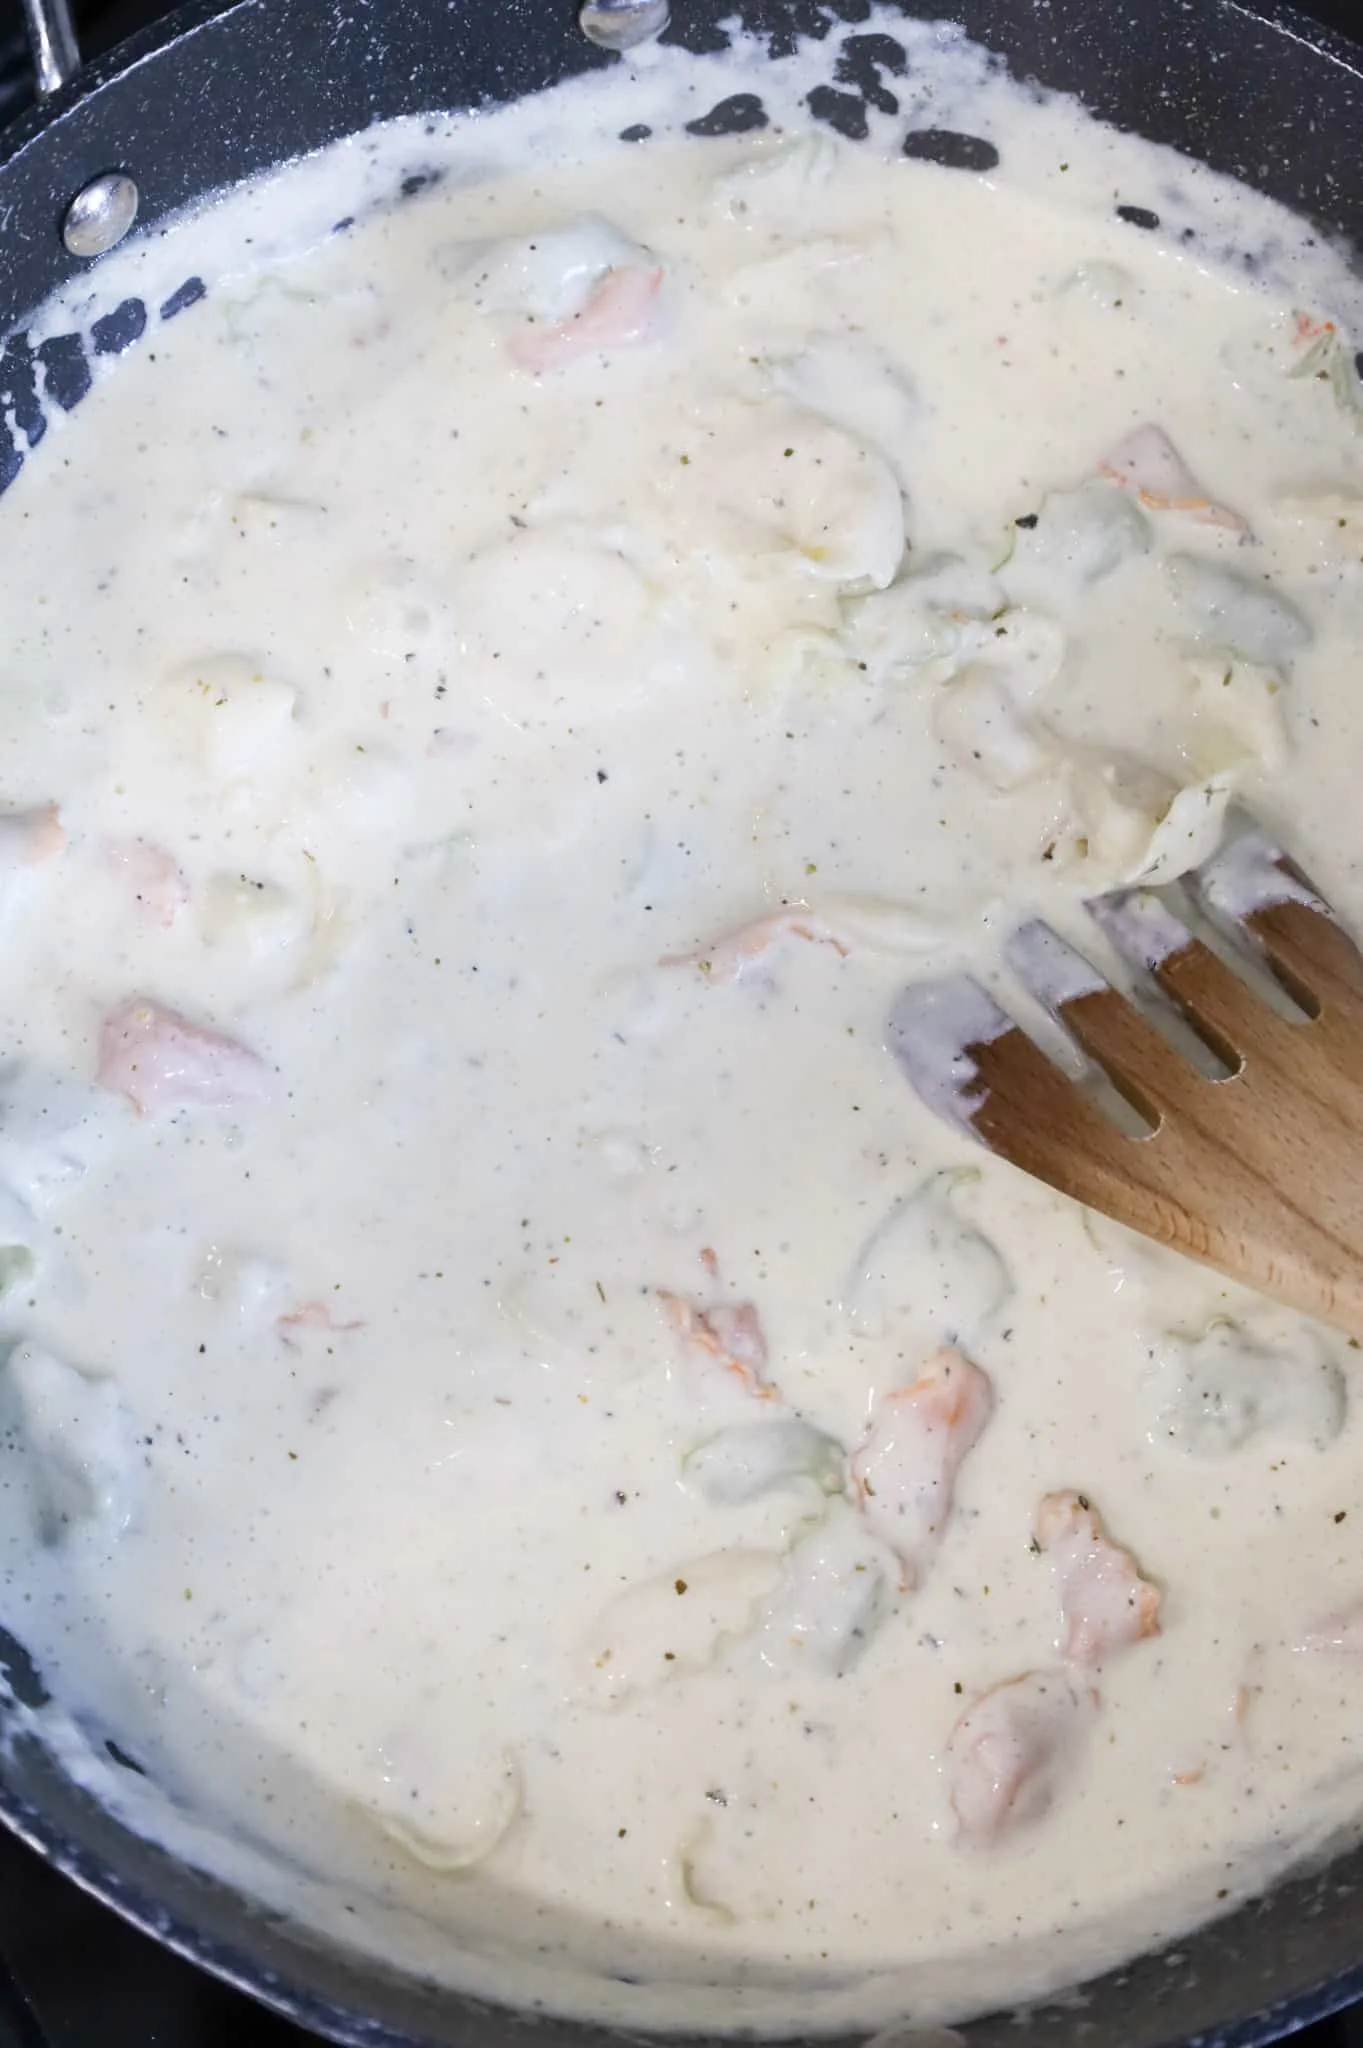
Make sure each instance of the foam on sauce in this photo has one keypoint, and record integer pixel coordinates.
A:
(516, 1416)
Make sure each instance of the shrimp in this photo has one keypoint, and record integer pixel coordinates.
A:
(162, 1063)
(730, 957)
(153, 876)
(1001, 1753)
(731, 1333)
(1307, 328)
(313, 1315)
(617, 312)
(1146, 461)
(1105, 1604)
(28, 838)
(905, 1470)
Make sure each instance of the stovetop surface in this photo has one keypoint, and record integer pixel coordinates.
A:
(72, 1974)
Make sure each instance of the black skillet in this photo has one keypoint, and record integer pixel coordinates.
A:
(226, 87)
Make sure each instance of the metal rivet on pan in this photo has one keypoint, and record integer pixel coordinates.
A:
(101, 214)
(620, 24)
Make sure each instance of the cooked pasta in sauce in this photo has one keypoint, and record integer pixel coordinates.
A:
(515, 1415)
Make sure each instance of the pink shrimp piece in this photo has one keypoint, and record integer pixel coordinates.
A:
(157, 885)
(905, 1470)
(1307, 328)
(732, 1333)
(1001, 1755)
(1146, 461)
(729, 958)
(312, 1316)
(617, 312)
(162, 1063)
(28, 838)
(1105, 1604)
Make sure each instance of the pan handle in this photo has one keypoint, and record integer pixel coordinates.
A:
(52, 39)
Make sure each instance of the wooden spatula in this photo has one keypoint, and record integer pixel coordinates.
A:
(1258, 1173)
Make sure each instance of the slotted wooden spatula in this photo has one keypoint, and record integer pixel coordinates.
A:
(1258, 1173)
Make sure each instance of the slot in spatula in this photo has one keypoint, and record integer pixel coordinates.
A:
(1258, 1171)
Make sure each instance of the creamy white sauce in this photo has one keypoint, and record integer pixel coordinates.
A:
(456, 1437)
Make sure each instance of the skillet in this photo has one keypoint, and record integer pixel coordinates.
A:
(225, 88)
